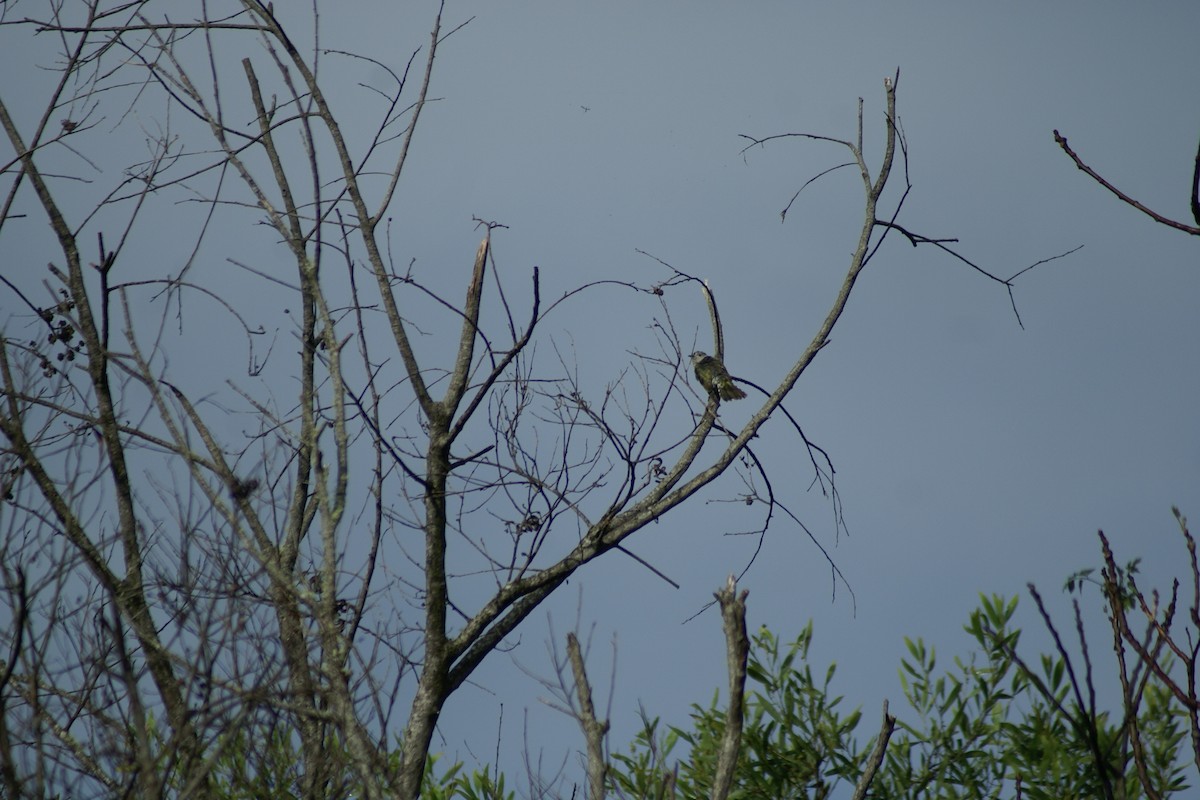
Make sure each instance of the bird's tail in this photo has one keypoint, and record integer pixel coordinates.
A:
(731, 392)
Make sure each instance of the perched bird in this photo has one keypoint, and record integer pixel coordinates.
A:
(714, 377)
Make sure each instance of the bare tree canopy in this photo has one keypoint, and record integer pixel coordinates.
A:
(216, 534)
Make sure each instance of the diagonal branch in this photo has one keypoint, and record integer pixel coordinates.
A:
(1124, 198)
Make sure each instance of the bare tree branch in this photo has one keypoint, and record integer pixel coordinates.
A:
(1194, 202)
(737, 650)
(593, 729)
(877, 754)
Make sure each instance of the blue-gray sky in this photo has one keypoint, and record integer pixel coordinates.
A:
(973, 456)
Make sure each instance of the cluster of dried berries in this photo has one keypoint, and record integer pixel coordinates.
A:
(62, 331)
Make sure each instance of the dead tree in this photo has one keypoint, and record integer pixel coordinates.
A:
(233, 555)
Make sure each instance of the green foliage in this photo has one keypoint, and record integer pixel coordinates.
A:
(479, 785)
(1125, 580)
(795, 732)
(990, 726)
(245, 764)
(952, 747)
(265, 766)
(796, 742)
(1164, 734)
(647, 771)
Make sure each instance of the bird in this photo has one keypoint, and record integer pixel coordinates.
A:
(713, 376)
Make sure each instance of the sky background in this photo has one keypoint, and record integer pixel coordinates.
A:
(972, 455)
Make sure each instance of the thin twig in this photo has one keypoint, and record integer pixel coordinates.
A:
(1098, 178)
